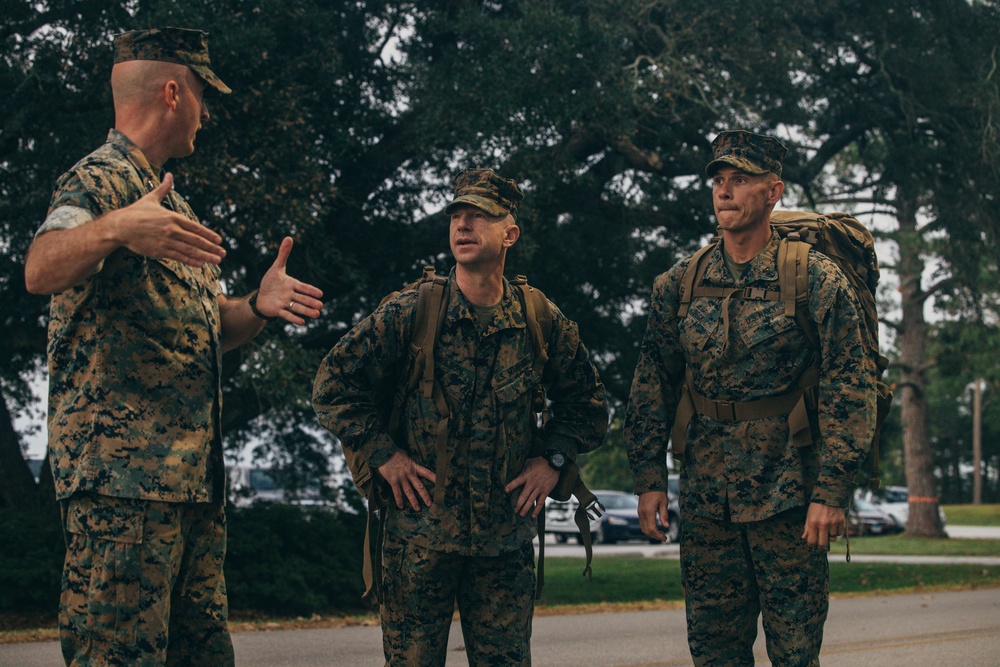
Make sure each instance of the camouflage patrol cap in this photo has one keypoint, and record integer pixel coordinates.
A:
(487, 190)
(170, 45)
(753, 153)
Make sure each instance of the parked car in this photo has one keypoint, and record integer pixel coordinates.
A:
(865, 518)
(250, 484)
(895, 501)
(619, 523)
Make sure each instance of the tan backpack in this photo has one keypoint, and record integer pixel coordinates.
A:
(851, 246)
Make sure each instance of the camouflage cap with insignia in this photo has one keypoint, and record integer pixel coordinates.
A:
(487, 190)
(753, 153)
(170, 45)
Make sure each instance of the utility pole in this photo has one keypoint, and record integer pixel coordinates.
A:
(977, 443)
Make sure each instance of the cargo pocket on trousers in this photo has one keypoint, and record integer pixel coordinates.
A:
(107, 533)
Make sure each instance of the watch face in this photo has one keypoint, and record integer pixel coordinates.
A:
(558, 460)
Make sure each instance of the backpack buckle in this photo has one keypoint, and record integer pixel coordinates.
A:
(725, 411)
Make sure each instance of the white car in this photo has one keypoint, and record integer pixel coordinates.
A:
(619, 523)
(894, 501)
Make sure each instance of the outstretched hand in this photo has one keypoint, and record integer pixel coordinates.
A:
(280, 295)
(148, 228)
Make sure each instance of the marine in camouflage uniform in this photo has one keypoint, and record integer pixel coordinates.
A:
(473, 543)
(137, 328)
(757, 513)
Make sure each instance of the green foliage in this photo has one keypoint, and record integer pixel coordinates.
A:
(607, 467)
(347, 120)
(31, 559)
(284, 559)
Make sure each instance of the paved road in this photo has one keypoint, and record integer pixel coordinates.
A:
(933, 630)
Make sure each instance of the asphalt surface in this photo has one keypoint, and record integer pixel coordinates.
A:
(932, 630)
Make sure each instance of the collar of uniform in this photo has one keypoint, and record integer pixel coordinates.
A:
(121, 143)
(763, 267)
(509, 315)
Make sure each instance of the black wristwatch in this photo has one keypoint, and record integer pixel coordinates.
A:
(556, 459)
(253, 306)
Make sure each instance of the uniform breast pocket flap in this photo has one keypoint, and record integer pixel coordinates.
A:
(757, 324)
(515, 382)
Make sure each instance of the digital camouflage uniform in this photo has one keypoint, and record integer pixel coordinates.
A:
(134, 412)
(744, 488)
(471, 547)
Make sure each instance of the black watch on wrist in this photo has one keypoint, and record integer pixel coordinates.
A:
(557, 460)
(253, 306)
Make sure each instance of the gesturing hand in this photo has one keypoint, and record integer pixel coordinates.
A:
(280, 295)
(147, 228)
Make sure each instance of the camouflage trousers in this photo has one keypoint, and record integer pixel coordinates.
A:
(733, 573)
(421, 587)
(143, 584)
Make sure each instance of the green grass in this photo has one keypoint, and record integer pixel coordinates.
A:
(972, 515)
(633, 579)
(901, 545)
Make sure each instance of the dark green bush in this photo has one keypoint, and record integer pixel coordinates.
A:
(282, 559)
(289, 560)
(31, 558)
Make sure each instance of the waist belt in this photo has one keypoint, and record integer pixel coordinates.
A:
(796, 404)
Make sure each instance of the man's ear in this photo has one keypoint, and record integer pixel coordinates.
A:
(171, 94)
(511, 234)
(776, 190)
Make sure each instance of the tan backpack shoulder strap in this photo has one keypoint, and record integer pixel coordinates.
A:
(693, 274)
(538, 316)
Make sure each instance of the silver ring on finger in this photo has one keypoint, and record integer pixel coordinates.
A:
(290, 304)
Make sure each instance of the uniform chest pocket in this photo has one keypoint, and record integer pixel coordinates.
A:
(515, 382)
(763, 321)
(700, 325)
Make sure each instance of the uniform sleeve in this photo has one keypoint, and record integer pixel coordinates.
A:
(847, 392)
(356, 381)
(649, 415)
(579, 419)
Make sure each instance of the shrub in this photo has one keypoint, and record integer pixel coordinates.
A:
(282, 559)
(289, 560)
(31, 557)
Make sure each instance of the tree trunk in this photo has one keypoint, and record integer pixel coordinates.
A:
(17, 485)
(923, 520)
